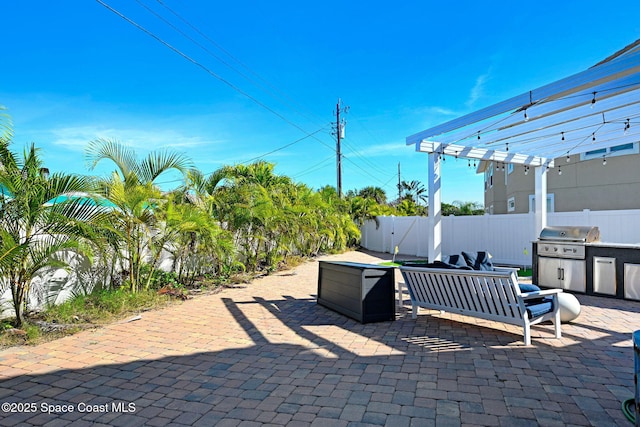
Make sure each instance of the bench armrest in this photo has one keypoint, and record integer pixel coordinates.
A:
(538, 294)
(514, 269)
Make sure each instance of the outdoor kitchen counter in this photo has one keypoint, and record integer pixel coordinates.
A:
(616, 245)
(608, 269)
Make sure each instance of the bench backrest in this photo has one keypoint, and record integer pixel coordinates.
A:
(493, 295)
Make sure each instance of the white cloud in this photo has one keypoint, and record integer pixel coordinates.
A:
(477, 91)
(76, 138)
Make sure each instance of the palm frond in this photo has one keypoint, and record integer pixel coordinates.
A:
(158, 162)
(106, 149)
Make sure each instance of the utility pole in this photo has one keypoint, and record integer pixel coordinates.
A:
(339, 132)
(399, 185)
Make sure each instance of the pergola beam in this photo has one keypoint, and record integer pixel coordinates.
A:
(596, 109)
(482, 154)
(602, 74)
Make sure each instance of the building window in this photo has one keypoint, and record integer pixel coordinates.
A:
(550, 203)
(491, 175)
(618, 150)
(488, 177)
(511, 204)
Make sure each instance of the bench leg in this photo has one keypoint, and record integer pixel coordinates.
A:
(400, 291)
(527, 334)
(414, 311)
(556, 323)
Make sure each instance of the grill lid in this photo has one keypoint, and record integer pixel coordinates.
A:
(582, 234)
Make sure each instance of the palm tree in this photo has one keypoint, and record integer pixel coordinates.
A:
(414, 191)
(375, 193)
(468, 208)
(136, 200)
(462, 208)
(197, 243)
(40, 221)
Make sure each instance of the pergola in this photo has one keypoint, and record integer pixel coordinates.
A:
(596, 109)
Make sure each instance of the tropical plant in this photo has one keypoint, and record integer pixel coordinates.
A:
(136, 203)
(41, 221)
(270, 217)
(375, 193)
(198, 244)
(462, 208)
(413, 191)
(408, 207)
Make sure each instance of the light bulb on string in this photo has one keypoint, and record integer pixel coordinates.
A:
(604, 160)
(593, 101)
(593, 137)
(562, 135)
(478, 135)
(559, 170)
(568, 158)
(627, 125)
(526, 116)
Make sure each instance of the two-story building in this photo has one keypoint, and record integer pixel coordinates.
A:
(602, 179)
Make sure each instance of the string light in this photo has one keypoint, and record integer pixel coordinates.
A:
(593, 136)
(562, 135)
(526, 116)
(478, 135)
(568, 158)
(559, 170)
(526, 170)
(627, 125)
(593, 101)
(604, 160)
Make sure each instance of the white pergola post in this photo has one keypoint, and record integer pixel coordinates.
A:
(435, 211)
(540, 201)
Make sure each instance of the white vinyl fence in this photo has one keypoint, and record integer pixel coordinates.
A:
(507, 237)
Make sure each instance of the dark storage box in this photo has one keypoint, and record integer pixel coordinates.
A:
(364, 292)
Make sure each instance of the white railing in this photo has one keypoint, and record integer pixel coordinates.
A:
(507, 237)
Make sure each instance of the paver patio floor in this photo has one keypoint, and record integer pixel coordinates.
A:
(266, 354)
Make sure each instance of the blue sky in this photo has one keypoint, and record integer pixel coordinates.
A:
(269, 74)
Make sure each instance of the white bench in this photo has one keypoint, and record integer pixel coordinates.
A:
(492, 295)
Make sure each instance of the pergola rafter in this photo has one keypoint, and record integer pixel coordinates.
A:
(593, 110)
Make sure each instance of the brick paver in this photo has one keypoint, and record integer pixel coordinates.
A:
(265, 353)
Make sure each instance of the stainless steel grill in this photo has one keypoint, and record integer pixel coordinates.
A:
(562, 256)
(566, 241)
(575, 234)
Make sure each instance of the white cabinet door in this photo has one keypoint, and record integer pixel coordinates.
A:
(574, 275)
(549, 272)
(561, 273)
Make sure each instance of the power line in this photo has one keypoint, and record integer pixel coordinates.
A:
(228, 83)
(362, 169)
(378, 168)
(203, 67)
(257, 157)
(284, 146)
(313, 168)
(204, 48)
